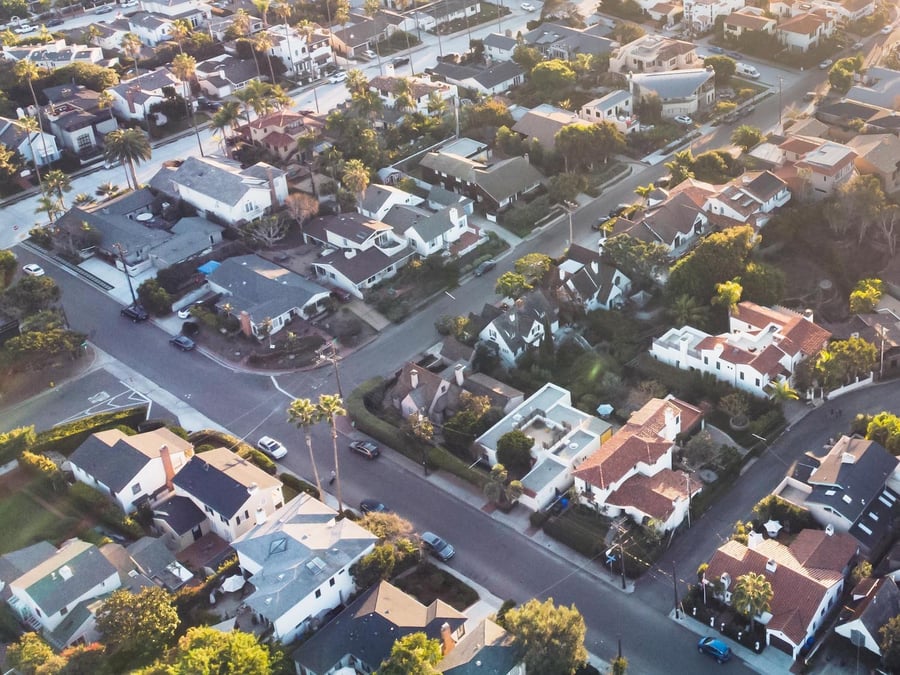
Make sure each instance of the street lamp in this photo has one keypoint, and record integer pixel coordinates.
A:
(121, 250)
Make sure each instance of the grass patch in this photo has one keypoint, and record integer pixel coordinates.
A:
(23, 521)
(427, 583)
(398, 297)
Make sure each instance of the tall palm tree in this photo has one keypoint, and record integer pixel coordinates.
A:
(184, 66)
(403, 97)
(330, 406)
(262, 6)
(105, 100)
(31, 127)
(131, 47)
(27, 71)
(304, 414)
(356, 178)
(255, 96)
(107, 190)
(436, 104)
(241, 23)
(48, 205)
(643, 191)
(687, 311)
(226, 118)
(128, 147)
(180, 31)
(58, 183)
(262, 44)
(751, 596)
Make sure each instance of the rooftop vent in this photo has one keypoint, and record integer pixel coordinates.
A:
(771, 565)
(65, 572)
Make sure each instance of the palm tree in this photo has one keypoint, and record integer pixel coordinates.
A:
(49, 206)
(83, 199)
(131, 47)
(58, 183)
(107, 190)
(105, 100)
(356, 178)
(241, 23)
(304, 414)
(329, 407)
(436, 104)
(31, 127)
(751, 596)
(687, 311)
(357, 83)
(26, 71)
(681, 167)
(262, 6)
(263, 44)
(128, 147)
(781, 391)
(180, 31)
(256, 95)
(644, 191)
(183, 67)
(334, 161)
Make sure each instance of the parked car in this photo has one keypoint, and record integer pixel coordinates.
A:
(716, 50)
(527, 6)
(619, 210)
(662, 182)
(365, 448)
(826, 64)
(684, 119)
(485, 267)
(25, 28)
(856, 46)
(746, 110)
(373, 506)
(887, 30)
(730, 117)
(33, 270)
(135, 312)
(369, 54)
(809, 96)
(734, 55)
(105, 9)
(54, 22)
(339, 76)
(401, 61)
(437, 546)
(271, 447)
(183, 342)
(715, 648)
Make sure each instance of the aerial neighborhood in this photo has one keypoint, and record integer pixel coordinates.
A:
(457, 336)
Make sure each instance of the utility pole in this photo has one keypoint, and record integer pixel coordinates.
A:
(121, 251)
(675, 589)
(780, 87)
(622, 565)
(337, 374)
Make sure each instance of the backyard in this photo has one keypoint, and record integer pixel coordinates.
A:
(427, 583)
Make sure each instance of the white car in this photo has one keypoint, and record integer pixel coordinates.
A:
(369, 54)
(339, 76)
(826, 64)
(684, 119)
(33, 270)
(25, 28)
(271, 447)
(887, 30)
(527, 6)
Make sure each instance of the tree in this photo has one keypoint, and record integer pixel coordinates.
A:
(302, 207)
(845, 360)
(342, 12)
(131, 47)
(619, 666)
(268, 230)
(565, 187)
(762, 283)
(8, 267)
(107, 190)
(179, 32)
(781, 391)
(184, 66)
(625, 32)
(330, 406)
(863, 570)
(30, 655)
(36, 349)
(375, 566)
(356, 178)
(700, 450)
(552, 79)
(32, 294)
(304, 414)
(58, 184)
(644, 192)
(840, 79)
(514, 451)
(412, 654)
(500, 489)
(686, 310)
(226, 119)
(637, 259)
(31, 126)
(129, 147)
(858, 203)
(207, 651)
(890, 644)
(724, 67)
(728, 294)
(27, 71)
(751, 596)
(717, 258)
(137, 626)
(262, 44)
(551, 637)
(154, 297)
(511, 285)
(681, 167)
(735, 405)
(419, 427)
(527, 57)
(489, 114)
(865, 296)
(746, 137)
(533, 266)
(884, 428)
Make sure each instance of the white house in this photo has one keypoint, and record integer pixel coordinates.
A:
(233, 493)
(681, 92)
(299, 565)
(496, 78)
(563, 438)
(591, 282)
(700, 15)
(195, 12)
(150, 28)
(29, 144)
(500, 47)
(825, 164)
(523, 326)
(632, 474)
(874, 602)
(220, 188)
(379, 199)
(428, 233)
(133, 98)
(53, 55)
(654, 53)
(222, 75)
(750, 198)
(420, 90)
(130, 469)
(763, 346)
(805, 31)
(616, 107)
(301, 53)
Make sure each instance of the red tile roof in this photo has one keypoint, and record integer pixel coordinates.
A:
(654, 495)
(798, 331)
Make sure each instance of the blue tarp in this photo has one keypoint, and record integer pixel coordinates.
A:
(209, 267)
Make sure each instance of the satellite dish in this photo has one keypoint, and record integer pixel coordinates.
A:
(144, 217)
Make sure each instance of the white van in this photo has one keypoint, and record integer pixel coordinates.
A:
(746, 70)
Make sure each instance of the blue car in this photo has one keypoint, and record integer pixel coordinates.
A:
(715, 648)
(716, 50)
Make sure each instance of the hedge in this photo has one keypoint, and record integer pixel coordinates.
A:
(298, 484)
(219, 439)
(65, 438)
(106, 511)
(14, 443)
(575, 535)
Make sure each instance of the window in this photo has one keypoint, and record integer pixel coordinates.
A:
(64, 611)
(705, 360)
(742, 376)
(223, 519)
(247, 514)
(318, 592)
(757, 381)
(718, 365)
(84, 142)
(238, 520)
(136, 488)
(331, 581)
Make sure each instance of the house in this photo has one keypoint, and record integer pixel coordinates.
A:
(844, 111)
(485, 649)
(748, 21)
(219, 188)
(31, 145)
(881, 328)
(56, 595)
(234, 494)
(132, 99)
(303, 54)
(880, 87)
(591, 283)
(878, 155)
(155, 562)
(825, 164)
(379, 199)
(874, 602)
(130, 469)
(748, 199)
(361, 637)
(195, 12)
(807, 578)
(653, 54)
(700, 15)
(616, 107)
(496, 78)
(279, 131)
(222, 75)
(76, 119)
(806, 31)
(179, 521)
(853, 488)
(451, 10)
(428, 233)
(631, 473)
(541, 124)
(668, 14)
(682, 92)
(763, 345)
(299, 565)
(510, 332)
(556, 41)
(361, 34)
(439, 197)
(150, 28)
(563, 438)
(55, 54)
(358, 252)
(264, 296)
(500, 47)
(108, 36)
(388, 87)
(842, 11)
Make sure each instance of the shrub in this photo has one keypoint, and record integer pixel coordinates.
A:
(38, 465)
(65, 438)
(105, 510)
(574, 535)
(14, 442)
(155, 298)
(298, 484)
(219, 439)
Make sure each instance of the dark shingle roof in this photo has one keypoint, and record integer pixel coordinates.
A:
(114, 466)
(486, 650)
(180, 513)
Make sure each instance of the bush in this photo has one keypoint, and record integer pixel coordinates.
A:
(575, 535)
(155, 298)
(65, 438)
(105, 510)
(38, 465)
(298, 484)
(219, 439)
(13, 443)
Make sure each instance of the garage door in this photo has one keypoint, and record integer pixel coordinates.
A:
(781, 645)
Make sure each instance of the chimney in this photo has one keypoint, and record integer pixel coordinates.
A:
(260, 516)
(246, 328)
(595, 266)
(460, 372)
(414, 378)
(273, 196)
(166, 456)
(808, 314)
(129, 94)
(447, 641)
(829, 530)
(771, 565)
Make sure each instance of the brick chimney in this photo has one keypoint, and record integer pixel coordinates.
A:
(246, 327)
(447, 641)
(166, 456)
(459, 371)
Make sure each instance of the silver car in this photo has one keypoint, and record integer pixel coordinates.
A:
(437, 546)
(271, 447)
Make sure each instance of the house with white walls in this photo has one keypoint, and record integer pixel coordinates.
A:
(151, 29)
(30, 144)
(303, 54)
(591, 282)
(681, 92)
(379, 199)
(806, 31)
(653, 54)
(513, 330)
(132, 99)
(420, 89)
(700, 15)
(616, 107)
(873, 603)
(428, 233)
(299, 565)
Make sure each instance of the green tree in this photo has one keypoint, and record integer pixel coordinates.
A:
(32, 294)
(681, 167)
(527, 57)
(856, 206)
(686, 310)
(625, 32)
(551, 637)
(207, 651)
(724, 66)
(27, 71)
(514, 451)
(890, 644)
(131, 47)
(644, 192)
(565, 187)
(184, 67)
(533, 266)
(840, 79)
(866, 295)
(128, 147)
(863, 570)
(356, 178)
(375, 566)
(763, 284)
(413, 654)
(728, 294)
(511, 285)
(619, 666)
(781, 391)
(154, 297)
(552, 79)
(30, 655)
(637, 259)
(330, 407)
(717, 258)
(751, 596)
(735, 405)
(57, 184)
(700, 450)
(845, 360)
(884, 428)
(35, 349)
(137, 626)
(304, 414)
(8, 266)
(747, 137)
(489, 114)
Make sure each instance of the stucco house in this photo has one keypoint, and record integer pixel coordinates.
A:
(75, 118)
(496, 78)
(55, 54)
(303, 54)
(130, 469)
(379, 199)
(150, 28)
(805, 31)
(223, 75)
(428, 233)
(30, 144)
(681, 92)
(387, 87)
(652, 54)
(748, 21)
(700, 15)
(132, 99)
(749, 199)
(299, 565)
(195, 12)
(823, 164)
(500, 47)
(616, 107)
(558, 41)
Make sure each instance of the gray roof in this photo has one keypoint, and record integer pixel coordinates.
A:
(507, 178)
(879, 606)
(500, 41)
(489, 77)
(429, 226)
(114, 466)
(147, 20)
(155, 560)
(485, 650)
(298, 552)
(234, 70)
(129, 203)
(883, 89)
(441, 195)
(15, 563)
(220, 178)
(180, 513)
(113, 229)
(673, 84)
(571, 40)
(153, 81)
(212, 486)
(452, 165)
(262, 288)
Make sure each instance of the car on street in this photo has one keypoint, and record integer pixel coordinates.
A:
(809, 96)
(619, 210)
(271, 447)
(25, 28)
(662, 182)
(887, 30)
(716, 50)
(183, 342)
(33, 270)
(339, 76)
(826, 64)
(401, 61)
(184, 312)
(54, 22)
(135, 312)
(856, 46)
(684, 119)
(369, 54)
(715, 648)
(373, 506)
(731, 117)
(602, 224)
(746, 110)
(527, 6)
(106, 9)
(485, 267)
(438, 547)
(734, 55)
(365, 448)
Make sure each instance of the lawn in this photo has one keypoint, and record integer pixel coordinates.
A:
(23, 521)
(426, 583)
